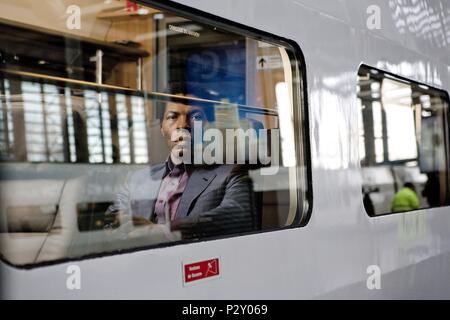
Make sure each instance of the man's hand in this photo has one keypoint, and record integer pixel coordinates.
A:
(140, 221)
(174, 225)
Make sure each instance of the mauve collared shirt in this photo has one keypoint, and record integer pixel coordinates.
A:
(170, 191)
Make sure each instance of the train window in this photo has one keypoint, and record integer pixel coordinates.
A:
(129, 126)
(404, 143)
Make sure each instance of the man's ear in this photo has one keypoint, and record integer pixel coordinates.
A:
(162, 131)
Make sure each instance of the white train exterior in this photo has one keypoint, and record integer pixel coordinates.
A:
(333, 255)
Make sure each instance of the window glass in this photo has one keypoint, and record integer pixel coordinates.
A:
(124, 126)
(403, 143)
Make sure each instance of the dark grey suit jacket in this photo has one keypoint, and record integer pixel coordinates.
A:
(217, 199)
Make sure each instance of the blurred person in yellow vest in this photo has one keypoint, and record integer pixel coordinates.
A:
(405, 199)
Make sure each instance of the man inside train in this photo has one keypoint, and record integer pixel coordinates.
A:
(198, 200)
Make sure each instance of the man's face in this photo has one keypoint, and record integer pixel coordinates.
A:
(177, 124)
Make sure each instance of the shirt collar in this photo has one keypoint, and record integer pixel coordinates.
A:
(170, 166)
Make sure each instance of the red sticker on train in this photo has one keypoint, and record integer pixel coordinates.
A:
(201, 270)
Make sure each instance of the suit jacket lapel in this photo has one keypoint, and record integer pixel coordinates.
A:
(157, 172)
(197, 183)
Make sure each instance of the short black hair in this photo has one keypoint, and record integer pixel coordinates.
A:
(180, 88)
(410, 186)
(176, 87)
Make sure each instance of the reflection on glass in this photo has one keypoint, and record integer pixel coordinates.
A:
(403, 144)
(103, 128)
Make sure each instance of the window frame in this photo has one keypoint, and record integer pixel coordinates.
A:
(303, 172)
(446, 119)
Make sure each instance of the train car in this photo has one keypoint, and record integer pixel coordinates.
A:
(193, 149)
